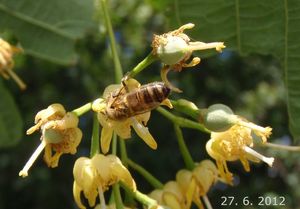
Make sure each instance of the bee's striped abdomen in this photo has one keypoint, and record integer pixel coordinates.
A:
(147, 97)
(140, 100)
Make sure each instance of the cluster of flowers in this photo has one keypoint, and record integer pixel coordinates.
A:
(231, 136)
(188, 187)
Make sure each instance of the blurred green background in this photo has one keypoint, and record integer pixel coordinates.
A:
(251, 85)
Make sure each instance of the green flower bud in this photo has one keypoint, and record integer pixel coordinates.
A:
(218, 118)
(52, 136)
(173, 51)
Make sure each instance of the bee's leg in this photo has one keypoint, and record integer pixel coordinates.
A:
(116, 96)
(123, 81)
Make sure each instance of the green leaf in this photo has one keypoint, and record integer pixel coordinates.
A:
(47, 29)
(10, 120)
(263, 27)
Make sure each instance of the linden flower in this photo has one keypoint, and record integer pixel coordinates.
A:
(59, 134)
(195, 184)
(122, 127)
(94, 176)
(170, 196)
(234, 144)
(6, 62)
(175, 49)
(219, 118)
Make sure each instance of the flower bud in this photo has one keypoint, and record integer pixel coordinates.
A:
(52, 136)
(173, 51)
(218, 117)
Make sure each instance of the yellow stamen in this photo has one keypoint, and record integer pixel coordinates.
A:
(37, 152)
(268, 160)
(143, 133)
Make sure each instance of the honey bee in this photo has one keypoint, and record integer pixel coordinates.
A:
(122, 105)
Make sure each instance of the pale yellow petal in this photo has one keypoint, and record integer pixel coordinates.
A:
(143, 118)
(76, 194)
(48, 154)
(75, 139)
(144, 133)
(183, 178)
(210, 165)
(157, 195)
(104, 121)
(102, 165)
(174, 188)
(123, 174)
(70, 120)
(122, 128)
(86, 179)
(198, 202)
(84, 173)
(106, 136)
(205, 178)
(211, 151)
(111, 170)
(54, 160)
(171, 201)
(191, 193)
(109, 89)
(54, 109)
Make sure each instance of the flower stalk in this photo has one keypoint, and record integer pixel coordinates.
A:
(148, 176)
(142, 198)
(188, 160)
(114, 51)
(187, 108)
(182, 122)
(123, 152)
(281, 147)
(95, 147)
(117, 196)
(83, 109)
(142, 65)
